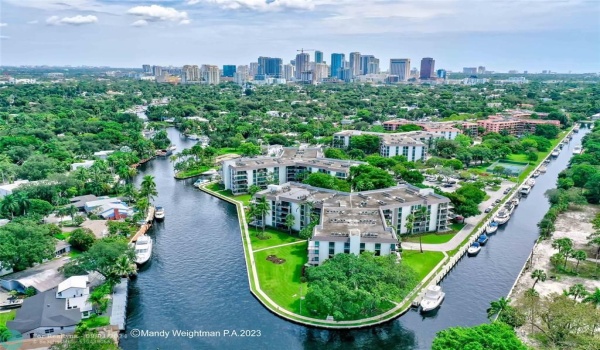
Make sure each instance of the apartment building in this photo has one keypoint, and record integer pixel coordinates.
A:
(355, 222)
(514, 126)
(286, 164)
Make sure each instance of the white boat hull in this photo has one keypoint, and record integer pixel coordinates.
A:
(427, 305)
(473, 251)
(491, 229)
(159, 216)
(502, 221)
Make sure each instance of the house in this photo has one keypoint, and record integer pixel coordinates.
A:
(41, 277)
(7, 189)
(95, 205)
(85, 164)
(113, 211)
(103, 154)
(61, 248)
(56, 311)
(79, 201)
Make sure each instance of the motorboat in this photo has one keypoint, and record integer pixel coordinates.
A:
(555, 153)
(143, 249)
(474, 249)
(193, 137)
(536, 173)
(515, 201)
(531, 182)
(491, 227)
(432, 299)
(502, 217)
(576, 128)
(510, 206)
(525, 190)
(200, 182)
(483, 239)
(12, 303)
(543, 169)
(159, 213)
(577, 149)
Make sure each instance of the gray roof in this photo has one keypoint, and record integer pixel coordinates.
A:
(42, 277)
(79, 201)
(44, 310)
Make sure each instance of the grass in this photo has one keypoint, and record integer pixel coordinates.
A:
(422, 263)
(7, 316)
(281, 282)
(276, 238)
(587, 269)
(184, 174)
(74, 253)
(96, 321)
(63, 236)
(244, 198)
(227, 150)
(436, 238)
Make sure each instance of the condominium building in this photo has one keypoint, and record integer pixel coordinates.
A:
(400, 67)
(320, 71)
(352, 223)
(288, 72)
(354, 64)
(413, 145)
(190, 73)
(147, 68)
(470, 129)
(337, 64)
(229, 70)
(284, 165)
(253, 69)
(514, 126)
(210, 74)
(302, 64)
(470, 70)
(319, 56)
(157, 71)
(369, 64)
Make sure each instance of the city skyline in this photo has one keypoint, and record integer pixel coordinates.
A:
(521, 35)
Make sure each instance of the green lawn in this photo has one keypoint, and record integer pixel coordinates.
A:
(422, 263)
(98, 321)
(7, 316)
(227, 150)
(74, 253)
(277, 238)
(63, 236)
(281, 282)
(436, 238)
(586, 269)
(244, 198)
(191, 172)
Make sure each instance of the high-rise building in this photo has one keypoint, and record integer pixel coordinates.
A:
(441, 73)
(274, 67)
(469, 70)
(157, 71)
(210, 74)
(318, 56)
(354, 63)
(190, 73)
(241, 74)
(401, 68)
(262, 65)
(427, 68)
(337, 64)
(480, 70)
(321, 71)
(253, 69)
(147, 68)
(369, 64)
(302, 64)
(414, 72)
(288, 72)
(229, 70)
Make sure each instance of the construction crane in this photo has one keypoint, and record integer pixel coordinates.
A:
(302, 50)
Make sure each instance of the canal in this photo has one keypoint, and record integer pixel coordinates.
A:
(197, 277)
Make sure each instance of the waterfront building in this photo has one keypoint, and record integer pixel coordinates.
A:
(351, 223)
(427, 68)
(513, 125)
(319, 56)
(413, 145)
(229, 70)
(337, 64)
(400, 67)
(282, 165)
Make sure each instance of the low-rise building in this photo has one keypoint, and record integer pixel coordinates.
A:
(85, 164)
(513, 125)
(355, 222)
(7, 189)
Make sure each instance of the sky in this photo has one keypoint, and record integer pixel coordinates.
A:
(532, 35)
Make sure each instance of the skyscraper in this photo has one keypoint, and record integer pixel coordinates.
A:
(469, 70)
(228, 70)
(274, 67)
(211, 74)
(190, 73)
(427, 68)
(262, 65)
(354, 63)
(369, 64)
(157, 71)
(400, 67)
(318, 56)
(147, 68)
(288, 72)
(337, 64)
(441, 73)
(481, 70)
(321, 71)
(302, 64)
(253, 70)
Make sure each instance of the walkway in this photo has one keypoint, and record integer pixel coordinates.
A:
(278, 246)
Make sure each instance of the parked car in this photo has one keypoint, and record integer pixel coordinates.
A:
(487, 210)
(448, 185)
(497, 201)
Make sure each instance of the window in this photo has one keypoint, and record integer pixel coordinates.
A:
(331, 249)
(49, 330)
(347, 247)
(362, 247)
(392, 247)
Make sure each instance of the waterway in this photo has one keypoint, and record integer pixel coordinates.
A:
(197, 277)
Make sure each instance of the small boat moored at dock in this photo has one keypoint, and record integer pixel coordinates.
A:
(543, 169)
(502, 217)
(159, 213)
(491, 227)
(555, 153)
(199, 182)
(530, 182)
(515, 201)
(536, 173)
(12, 303)
(525, 190)
(474, 249)
(483, 239)
(577, 149)
(432, 299)
(143, 249)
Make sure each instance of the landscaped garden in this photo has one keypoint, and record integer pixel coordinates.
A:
(276, 238)
(422, 263)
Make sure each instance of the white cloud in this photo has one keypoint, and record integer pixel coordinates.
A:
(264, 5)
(139, 23)
(74, 21)
(3, 24)
(156, 13)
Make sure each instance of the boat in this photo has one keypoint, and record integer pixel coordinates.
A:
(536, 173)
(483, 239)
(515, 201)
(143, 249)
(200, 182)
(510, 206)
(193, 137)
(576, 128)
(577, 149)
(12, 303)
(502, 217)
(531, 182)
(159, 213)
(474, 249)
(432, 299)
(543, 169)
(555, 153)
(525, 190)
(491, 227)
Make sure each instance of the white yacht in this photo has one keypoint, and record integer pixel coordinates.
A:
(502, 217)
(432, 299)
(525, 190)
(474, 249)
(543, 169)
(143, 249)
(491, 227)
(159, 213)
(555, 153)
(577, 149)
(515, 201)
(536, 173)
(531, 182)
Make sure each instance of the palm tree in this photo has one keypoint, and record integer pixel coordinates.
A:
(496, 307)
(579, 255)
(10, 205)
(421, 215)
(290, 220)
(23, 202)
(577, 291)
(593, 298)
(148, 187)
(99, 302)
(262, 207)
(142, 206)
(538, 275)
(123, 267)
(72, 210)
(562, 244)
(567, 252)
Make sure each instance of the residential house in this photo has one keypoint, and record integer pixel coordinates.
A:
(7, 189)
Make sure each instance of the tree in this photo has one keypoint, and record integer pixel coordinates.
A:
(40, 207)
(148, 188)
(494, 336)
(10, 205)
(262, 208)
(593, 298)
(538, 275)
(290, 221)
(367, 177)
(82, 239)
(578, 255)
(369, 144)
(547, 131)
(323, 180)
(23, 202)
(498, 306)
(99, 297)
(253, 189)
(248, 149)
(124, 267)
(577, 291)
(24, 243)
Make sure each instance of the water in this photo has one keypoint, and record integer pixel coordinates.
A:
(197, 277)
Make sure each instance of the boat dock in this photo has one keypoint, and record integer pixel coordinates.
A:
(118, 314)
(145, 227)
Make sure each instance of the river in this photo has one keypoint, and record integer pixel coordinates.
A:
(196, 279)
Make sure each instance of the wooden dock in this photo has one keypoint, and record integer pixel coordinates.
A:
(145, 227)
